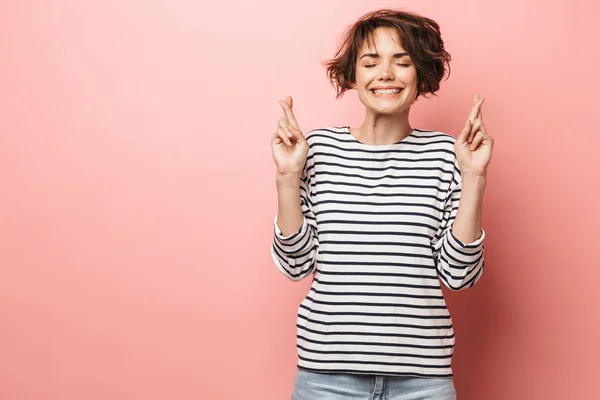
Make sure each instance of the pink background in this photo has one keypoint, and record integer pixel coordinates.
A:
(137, 193)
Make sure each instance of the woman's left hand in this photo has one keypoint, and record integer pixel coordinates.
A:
(473, 146)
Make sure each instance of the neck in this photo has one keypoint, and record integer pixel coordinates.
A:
(382, 129)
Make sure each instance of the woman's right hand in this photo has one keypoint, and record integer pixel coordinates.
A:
(289, 146)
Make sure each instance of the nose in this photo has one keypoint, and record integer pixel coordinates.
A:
(386, 73)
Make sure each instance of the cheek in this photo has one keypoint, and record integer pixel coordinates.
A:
(411, 78)
(365, 75)
(359, 80)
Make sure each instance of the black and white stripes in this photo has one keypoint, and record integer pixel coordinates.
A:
(377, 236)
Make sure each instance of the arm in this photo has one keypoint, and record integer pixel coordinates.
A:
(295, 245)
(467, 225)
(458, 244)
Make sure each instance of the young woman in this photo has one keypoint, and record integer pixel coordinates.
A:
(380, 214)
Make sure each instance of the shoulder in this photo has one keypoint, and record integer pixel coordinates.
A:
(434, 136)
(326, 133)
(434, 140)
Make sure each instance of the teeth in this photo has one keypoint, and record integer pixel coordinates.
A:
(386, 91)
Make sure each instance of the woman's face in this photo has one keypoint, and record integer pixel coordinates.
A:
(388, 67)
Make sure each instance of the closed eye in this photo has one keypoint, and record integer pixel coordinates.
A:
(373, 65)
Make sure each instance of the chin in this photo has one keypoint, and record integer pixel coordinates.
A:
(385, 111)
(388, 110)
(386, 107)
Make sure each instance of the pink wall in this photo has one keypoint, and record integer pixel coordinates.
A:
(137, 193)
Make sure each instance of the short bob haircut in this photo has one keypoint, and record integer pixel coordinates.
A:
(420, 37)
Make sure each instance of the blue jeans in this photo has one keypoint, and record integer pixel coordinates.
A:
(310, 385)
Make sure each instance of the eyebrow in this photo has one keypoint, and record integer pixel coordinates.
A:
(376, 55)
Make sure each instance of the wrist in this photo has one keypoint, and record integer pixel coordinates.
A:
(474, 179)
(288, 179)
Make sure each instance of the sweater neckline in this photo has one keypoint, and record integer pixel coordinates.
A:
(378, 146)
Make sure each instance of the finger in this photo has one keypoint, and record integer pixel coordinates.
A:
(298, 135)
(464, 134)
(482, 127)
(480, 113)
(289, 113)
(284, 128)
(283, 136)
(474, 129)
(283, 123)
(277, 137)
(477, 140)
(476, 108)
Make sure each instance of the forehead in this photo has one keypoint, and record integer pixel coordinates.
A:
(382, 40)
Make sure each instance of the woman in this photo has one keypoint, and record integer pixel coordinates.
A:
(380, 215)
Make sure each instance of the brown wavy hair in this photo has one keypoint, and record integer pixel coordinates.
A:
(420, 36)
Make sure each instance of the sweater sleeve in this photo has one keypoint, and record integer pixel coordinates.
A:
(459, 265)
(295, 255)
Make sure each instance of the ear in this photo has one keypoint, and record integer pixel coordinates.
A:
(352, 85)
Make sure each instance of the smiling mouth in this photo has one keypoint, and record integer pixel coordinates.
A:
(386, 92)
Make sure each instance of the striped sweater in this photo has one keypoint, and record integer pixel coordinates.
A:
(376, 237)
